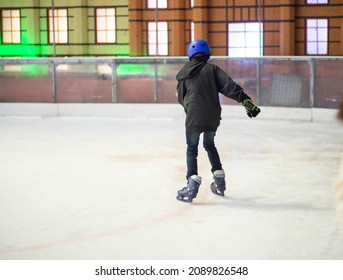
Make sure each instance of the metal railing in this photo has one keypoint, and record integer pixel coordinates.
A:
(304, 82)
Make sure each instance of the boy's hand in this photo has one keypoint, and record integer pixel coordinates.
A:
(251, 107)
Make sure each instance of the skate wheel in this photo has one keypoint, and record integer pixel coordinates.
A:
(217, 192)
(184, 198)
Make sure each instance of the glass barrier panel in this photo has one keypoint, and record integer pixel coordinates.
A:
(285, 83)
(83, 83)
(25, 83)
(135, 82)
(243, 72)
(167, 83)
(328, 83)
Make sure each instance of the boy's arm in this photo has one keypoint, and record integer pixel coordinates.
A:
(251, 107)
(181, 92)
(231, 89)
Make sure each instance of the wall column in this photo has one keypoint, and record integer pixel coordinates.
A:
(177, 43)
(341, 37)
(200, 18)
(79, 35)
(136, 27)
(287, 27)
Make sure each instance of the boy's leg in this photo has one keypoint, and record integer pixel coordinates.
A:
(193, 180)
(191, 190)
(192, 139)
(211, 150)
(218, 186)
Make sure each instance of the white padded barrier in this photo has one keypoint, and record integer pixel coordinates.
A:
(120, 110)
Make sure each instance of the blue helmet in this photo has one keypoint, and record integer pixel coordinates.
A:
(198, 46)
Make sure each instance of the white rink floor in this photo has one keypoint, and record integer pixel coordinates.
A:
(102, 188)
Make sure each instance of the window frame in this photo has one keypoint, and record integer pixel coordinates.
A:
(156, 5)
(315, 2)
(192, 30)
(245, 33)
(317, 42)
(106, 30)
(11, 31)
(57, 31)
(156, 44)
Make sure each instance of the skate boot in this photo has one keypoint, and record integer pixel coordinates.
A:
(218, 186)
(191, 190)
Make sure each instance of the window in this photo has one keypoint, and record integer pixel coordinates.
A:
(11, 26)
(192, 31)
(317, 36)
(317, 1)
(158, 38)
(245, 39)
(106, 25)
(153, 4)
(58, 26)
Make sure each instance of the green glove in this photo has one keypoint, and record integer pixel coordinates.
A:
(251, 107)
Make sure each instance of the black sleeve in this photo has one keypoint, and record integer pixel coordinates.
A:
(181, 92)
(229, 87)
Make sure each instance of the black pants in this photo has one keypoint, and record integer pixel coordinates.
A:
(192, 139)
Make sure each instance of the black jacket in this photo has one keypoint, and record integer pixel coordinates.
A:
(198, 86)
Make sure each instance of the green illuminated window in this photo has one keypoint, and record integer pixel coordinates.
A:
(58, 26)
(105, 25)
(10, 26)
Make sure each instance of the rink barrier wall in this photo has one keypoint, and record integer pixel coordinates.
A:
(281, 81)
(148, 111)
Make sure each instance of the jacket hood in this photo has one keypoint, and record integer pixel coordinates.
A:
(190, 69)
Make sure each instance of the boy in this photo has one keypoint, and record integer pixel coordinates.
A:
(198, 85)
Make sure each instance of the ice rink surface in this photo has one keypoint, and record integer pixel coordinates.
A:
(104, 188)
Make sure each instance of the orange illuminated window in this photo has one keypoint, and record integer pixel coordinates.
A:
(10, 26)
(58, 26)
(106, 25)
